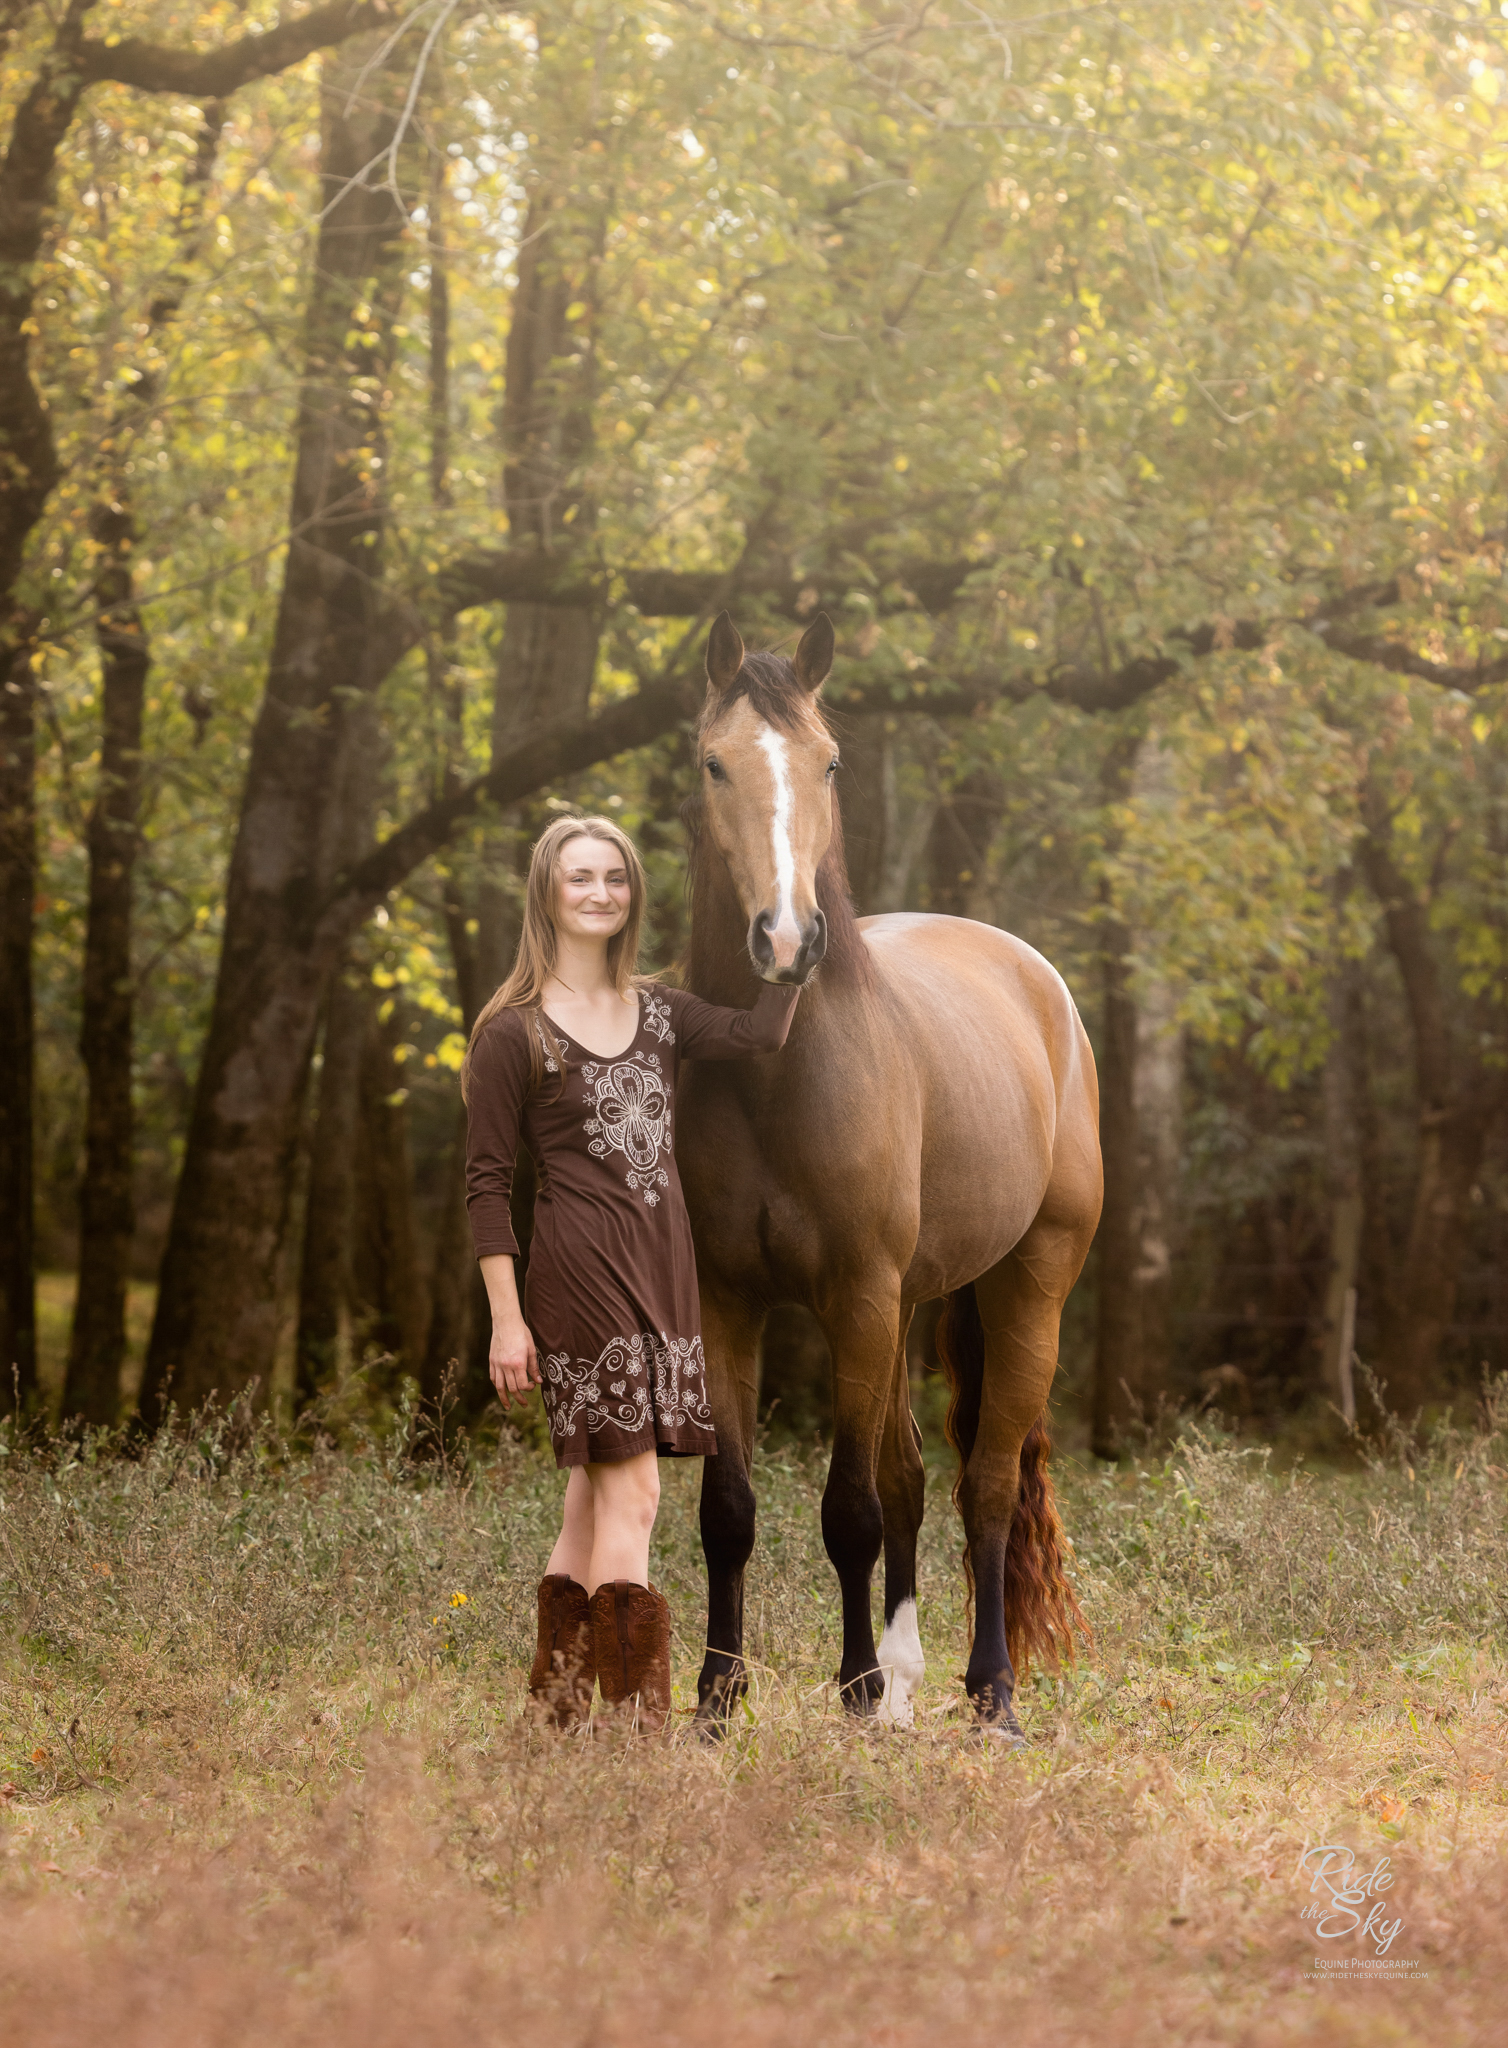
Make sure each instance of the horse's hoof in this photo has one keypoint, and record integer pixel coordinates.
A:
(998, 1736)
(861, 1695)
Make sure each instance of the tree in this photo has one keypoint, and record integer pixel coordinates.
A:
(67, 63)
(1070, 382)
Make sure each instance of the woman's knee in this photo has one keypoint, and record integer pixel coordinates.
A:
(630, 1493)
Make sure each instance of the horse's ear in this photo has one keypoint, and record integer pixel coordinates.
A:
(814, 653)
(725, 655)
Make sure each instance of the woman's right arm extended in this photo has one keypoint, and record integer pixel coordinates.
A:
(511, 1358)
(498, 1083)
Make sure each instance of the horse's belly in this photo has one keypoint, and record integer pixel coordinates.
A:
(978, 1200)
(989, 1018)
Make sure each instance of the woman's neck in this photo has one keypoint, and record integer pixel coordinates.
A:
(580, 969)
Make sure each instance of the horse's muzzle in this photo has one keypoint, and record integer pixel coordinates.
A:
(808, 953)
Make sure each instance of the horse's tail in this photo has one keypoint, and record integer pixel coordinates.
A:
(1041, 1610)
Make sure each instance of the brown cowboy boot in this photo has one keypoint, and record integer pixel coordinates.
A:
(631, 1636)
(565, 1669)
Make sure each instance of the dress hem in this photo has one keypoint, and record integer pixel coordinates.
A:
(680, 1444)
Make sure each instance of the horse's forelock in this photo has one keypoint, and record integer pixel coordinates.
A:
(769, 682)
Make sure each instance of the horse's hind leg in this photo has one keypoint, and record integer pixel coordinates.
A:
(902, 1484)
(1020, 1302)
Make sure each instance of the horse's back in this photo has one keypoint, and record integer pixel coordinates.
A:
(1007, 1081)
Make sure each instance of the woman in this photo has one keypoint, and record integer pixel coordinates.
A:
(579, 1060)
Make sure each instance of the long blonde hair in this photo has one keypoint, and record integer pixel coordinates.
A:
(537, 943)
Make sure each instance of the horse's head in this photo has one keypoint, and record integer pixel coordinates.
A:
(767, 765)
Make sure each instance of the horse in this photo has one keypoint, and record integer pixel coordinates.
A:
(930, 1130)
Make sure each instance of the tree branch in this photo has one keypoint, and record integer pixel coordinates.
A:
(548, 757)
(547, 576)
(544, 577)
(212, 74)
(1400, 660)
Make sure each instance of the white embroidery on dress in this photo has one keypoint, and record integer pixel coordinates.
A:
(657, 1015)
(551, 1066)
(630, 1114)
(663, 1378)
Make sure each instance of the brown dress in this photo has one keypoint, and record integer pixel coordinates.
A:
(611, 1297)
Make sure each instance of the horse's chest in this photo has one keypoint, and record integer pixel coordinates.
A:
(780, 1191)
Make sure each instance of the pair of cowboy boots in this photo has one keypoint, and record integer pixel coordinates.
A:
(619, 1639)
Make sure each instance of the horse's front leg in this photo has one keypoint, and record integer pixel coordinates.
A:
(903, 1489)
(730, 1338)
(863, 1329)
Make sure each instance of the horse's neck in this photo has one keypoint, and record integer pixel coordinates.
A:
(720, 969)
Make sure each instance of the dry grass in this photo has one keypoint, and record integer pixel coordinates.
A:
(265, 1777)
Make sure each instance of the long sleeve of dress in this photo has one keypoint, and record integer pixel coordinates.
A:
(707, 1031)
(500, 1080)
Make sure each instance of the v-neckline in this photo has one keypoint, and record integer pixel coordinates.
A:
(570, 1040)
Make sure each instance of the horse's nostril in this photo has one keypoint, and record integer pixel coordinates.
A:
(760, 943)
(816, 944)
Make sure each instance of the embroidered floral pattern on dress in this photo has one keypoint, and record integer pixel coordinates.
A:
(551, 1065)
(657, 1015)
(632, 1380)
(630, 1114)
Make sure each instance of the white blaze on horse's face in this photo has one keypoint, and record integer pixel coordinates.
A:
(785, 933)
(770, 810)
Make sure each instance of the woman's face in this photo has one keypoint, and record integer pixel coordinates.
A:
(592, 889)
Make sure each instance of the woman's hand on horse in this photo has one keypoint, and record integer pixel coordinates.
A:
(512, 1362)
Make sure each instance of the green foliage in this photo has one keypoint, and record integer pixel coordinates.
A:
(1160, 316)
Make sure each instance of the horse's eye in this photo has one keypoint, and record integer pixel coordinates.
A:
(714, 768)
(832, 766)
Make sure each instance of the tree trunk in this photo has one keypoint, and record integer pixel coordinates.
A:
(958, 846)
(1141, 1072)
(97, 1347)
(1451, 1144)
(324, 1291)
(216, 1324)
(1458, 1101)
(1343, 1086)
(1118, 1392)
(28, 471)
(18, 891)
(106, 1210)
(387, 1307)
(546, 665)
(861, 794)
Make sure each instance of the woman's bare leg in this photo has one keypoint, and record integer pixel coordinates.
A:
(572, 1554)
(625, 1499)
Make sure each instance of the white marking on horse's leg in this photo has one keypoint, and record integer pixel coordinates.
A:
(785, 933)
(903, 1666)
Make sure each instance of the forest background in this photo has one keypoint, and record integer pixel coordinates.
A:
(390, 398)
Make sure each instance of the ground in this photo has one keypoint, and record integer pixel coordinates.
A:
(264, 1773)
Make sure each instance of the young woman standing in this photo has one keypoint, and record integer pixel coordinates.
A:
(579, 1060)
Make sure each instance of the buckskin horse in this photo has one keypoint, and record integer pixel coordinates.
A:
(930, 1129)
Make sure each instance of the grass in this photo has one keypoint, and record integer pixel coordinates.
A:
(263, 1775)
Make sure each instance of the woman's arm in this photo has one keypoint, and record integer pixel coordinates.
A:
(498, 1085)
(708, 1031)
(511, 1358)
